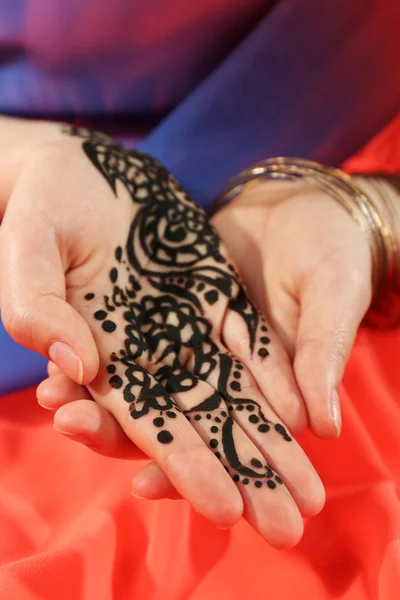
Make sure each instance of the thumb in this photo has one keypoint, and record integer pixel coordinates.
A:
(33, 302)
(333, 304)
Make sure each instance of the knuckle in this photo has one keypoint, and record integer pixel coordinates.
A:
(18, 322)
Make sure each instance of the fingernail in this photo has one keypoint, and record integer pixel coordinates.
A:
(335, 410)
(78, 437)
(138, 496)
(44, 405)
(67, 360)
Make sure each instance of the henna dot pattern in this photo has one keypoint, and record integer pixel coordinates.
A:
(100, 315)
(263, 428)
(165, 437)
(211, 297)
(116, 382)
(109, 326)
(281, 429)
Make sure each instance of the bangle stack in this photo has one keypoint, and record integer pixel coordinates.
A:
(385, 307)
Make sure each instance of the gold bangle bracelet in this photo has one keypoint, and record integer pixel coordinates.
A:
(386, 312)
(339, 185)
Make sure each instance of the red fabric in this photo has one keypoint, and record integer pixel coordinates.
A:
(381, 154)
(70, 529)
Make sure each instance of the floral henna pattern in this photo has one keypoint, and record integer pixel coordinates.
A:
(175, 249)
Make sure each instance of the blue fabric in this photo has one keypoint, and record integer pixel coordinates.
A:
(314, 79)
(20, 368)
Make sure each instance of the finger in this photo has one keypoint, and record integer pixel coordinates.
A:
(260, 350)
(58, 390)
(52, 368)
(333, 303)
(151, 483)
(87, 422)
(268, 505)
(279, 451)
(84, 421)
(33, 295)
(153, 421)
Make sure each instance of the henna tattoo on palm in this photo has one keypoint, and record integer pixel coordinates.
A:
(168, 340)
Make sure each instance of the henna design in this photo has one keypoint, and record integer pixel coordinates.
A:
(174, 248)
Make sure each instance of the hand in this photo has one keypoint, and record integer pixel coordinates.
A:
(307, 265)
(113, 256)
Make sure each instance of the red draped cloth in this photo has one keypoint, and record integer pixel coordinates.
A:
(70, 529)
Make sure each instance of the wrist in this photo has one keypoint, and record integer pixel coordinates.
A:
(272, 192)
(386, 197)
(19, 139)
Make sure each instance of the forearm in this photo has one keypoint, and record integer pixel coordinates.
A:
(19, 139)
